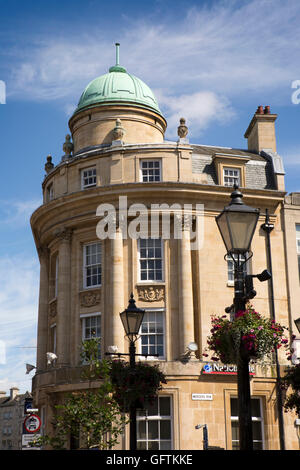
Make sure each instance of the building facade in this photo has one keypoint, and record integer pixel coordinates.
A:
(12, 416)
(120, 175)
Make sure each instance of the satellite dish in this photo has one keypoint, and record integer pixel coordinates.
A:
(29, 368)
(193, 347)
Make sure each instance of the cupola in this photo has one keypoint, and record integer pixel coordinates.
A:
(116, 95)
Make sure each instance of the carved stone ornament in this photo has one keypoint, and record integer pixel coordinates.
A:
(151, 293)
(90, 298)
(64, 234)
(119, 131)
(49, 165)
(53, 308)
(68, 146)
(182, 130)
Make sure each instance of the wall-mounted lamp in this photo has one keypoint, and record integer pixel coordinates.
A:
(29, 368)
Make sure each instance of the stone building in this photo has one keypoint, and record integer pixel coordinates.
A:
(117, 156)
(291, 210)
(11, 419)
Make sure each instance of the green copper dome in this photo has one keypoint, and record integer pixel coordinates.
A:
(117, 86)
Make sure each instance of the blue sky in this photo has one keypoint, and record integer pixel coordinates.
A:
(212, 62)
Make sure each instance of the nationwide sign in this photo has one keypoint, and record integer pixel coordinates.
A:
(223, 369)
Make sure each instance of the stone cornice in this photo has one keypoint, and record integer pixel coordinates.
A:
(105, 150)
(54, 216)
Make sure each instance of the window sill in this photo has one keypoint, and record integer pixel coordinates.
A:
(150, 283)
(89, 187)
(85, 288)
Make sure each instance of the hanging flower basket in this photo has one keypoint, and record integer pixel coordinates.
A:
(138, 386)
(249, 334)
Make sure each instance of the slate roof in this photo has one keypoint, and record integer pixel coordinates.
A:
(259, 170)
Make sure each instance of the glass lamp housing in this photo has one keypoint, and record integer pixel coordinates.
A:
(237, 223)
(132, 318)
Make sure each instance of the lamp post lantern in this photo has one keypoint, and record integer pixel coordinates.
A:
(132, 318)
(237, 223)
(297, 323)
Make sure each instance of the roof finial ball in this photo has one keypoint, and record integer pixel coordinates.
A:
(182, 131)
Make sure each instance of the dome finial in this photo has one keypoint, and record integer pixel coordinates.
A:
(117, 53)
(117, 67)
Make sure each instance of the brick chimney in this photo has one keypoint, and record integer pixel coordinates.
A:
(261, 130)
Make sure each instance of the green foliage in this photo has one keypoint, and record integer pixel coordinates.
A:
(292, 379)
(136, 386)
(92, 414)
(248, 334)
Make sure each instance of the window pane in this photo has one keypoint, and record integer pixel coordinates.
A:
(255, 407)
(256, 431)
(257, 424)
(153, 445)
(150, 251)
(235, 430)
(141, 446)
(231, 176)
(235, 445)
(165, 445)
(92, 262)
(165, 429)
(153, 409)
(150, 170)
(89, 177)
(141, 429)
(152, 429)
(152, 333)
(164, 406)
(257, 446)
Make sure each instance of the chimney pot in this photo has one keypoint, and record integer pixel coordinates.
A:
(260, 110)
(261, 130)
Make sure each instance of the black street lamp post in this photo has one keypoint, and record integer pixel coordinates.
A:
(268, 227)
(132, 318)
(237, 223)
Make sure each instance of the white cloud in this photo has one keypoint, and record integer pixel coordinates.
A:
(19, 280)
(229, 48)
(17, 213)
(199, 109)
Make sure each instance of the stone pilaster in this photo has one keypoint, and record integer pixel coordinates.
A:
(117, 333)
(63, 298)
(43, 309)
(186, 308)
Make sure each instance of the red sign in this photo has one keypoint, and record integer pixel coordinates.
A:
(32, 423)
(223, 369)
